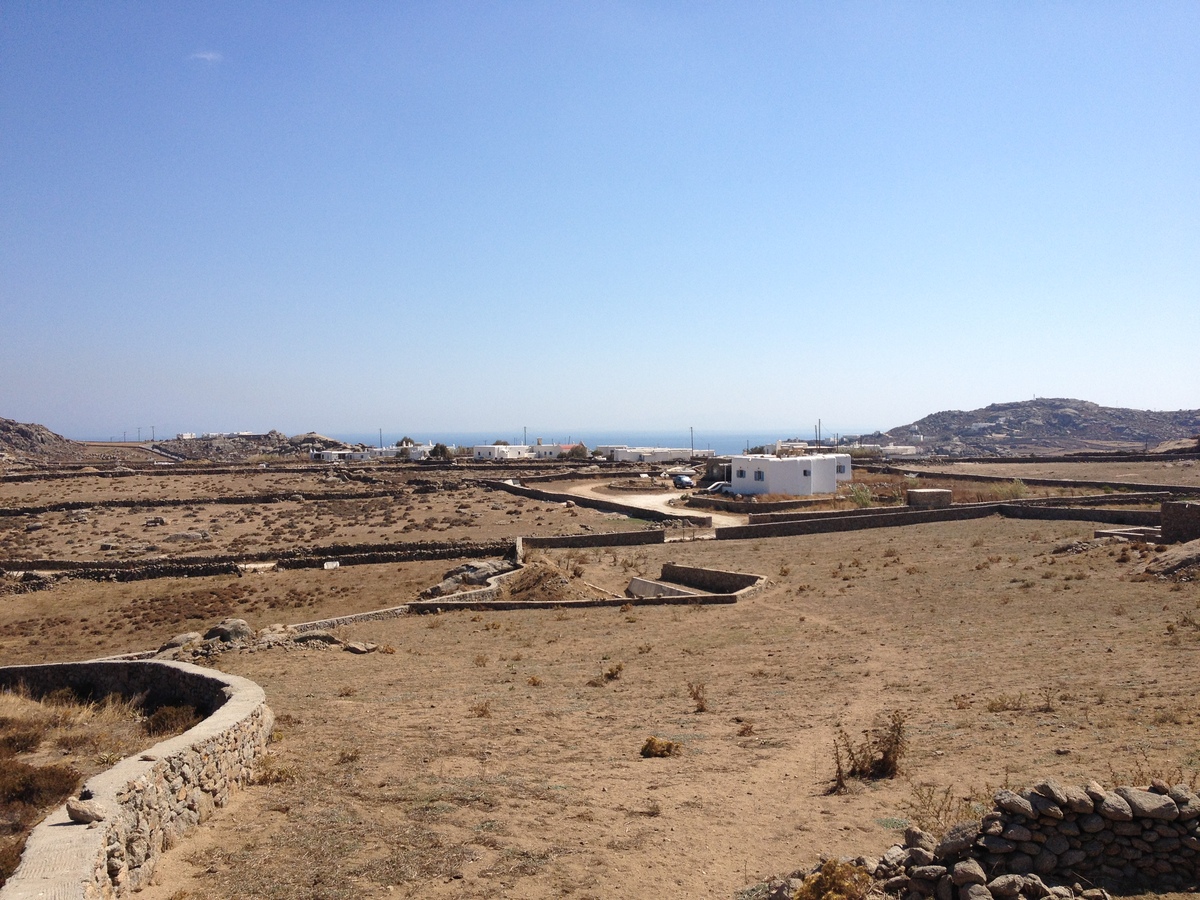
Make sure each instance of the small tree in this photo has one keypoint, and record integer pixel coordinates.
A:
(440, 451)
(499, 443)
(406, 441)
(579, 451)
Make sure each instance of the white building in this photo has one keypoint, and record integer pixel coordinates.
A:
(503, 451)
(797, 476)
(330, 455)
(657, 454)
(550, 451)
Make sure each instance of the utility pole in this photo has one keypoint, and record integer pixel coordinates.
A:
(525, 435)
(152, 437)
(380, 438)
(692, 431)
(139, 434)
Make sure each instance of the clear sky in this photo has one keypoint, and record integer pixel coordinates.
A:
(604, 215)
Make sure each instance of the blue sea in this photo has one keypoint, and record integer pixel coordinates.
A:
(723, 442)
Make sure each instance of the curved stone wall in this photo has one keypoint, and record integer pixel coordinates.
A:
(152, 799)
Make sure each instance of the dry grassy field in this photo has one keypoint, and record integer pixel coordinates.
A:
(1185, 473)
(496, 754)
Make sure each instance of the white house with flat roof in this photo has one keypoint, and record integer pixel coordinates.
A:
(656, 454)
(796, 476)
(502, 451)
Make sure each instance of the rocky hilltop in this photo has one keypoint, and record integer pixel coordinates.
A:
(241, 447)
(21, 441)
(1047, 425)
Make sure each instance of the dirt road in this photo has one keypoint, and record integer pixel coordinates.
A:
(657, 500)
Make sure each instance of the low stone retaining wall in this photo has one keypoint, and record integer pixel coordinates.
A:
(612, 539)
(1067, 513)
(635, 512)
(301, 558)
(784, 524)
(1176, 489)
(748, 506)
(1180, 522)
(712, 581)
(1044, 841)
(151, 799)
(818, 523)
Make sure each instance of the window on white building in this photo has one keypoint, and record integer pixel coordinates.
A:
(759, 475)
(807, 472)
(741, 473)
(841, 470)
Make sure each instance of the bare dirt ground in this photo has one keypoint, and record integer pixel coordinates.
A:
(495, 754)
(660, 500)
(1182, 472)
(463, 511)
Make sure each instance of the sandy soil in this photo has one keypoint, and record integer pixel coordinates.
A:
(476, 760)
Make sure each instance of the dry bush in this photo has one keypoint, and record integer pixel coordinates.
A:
(835, 880)
(699, 696)
(271, 772)
(482, 710)
(935, 809)
(877, 756)
(658, 747)
(171, 720)
(1007, 703)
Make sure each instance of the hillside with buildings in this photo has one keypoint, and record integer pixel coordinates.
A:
(1046, 425)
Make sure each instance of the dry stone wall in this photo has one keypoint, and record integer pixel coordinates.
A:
(1051, 840)
(151, 800)
(1180, 522)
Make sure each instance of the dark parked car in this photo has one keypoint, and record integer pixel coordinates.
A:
(683, 481)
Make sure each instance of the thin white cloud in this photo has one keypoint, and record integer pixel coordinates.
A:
(208, 56)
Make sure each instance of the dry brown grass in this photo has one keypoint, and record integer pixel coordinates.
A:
(48, 746)
(535, 800)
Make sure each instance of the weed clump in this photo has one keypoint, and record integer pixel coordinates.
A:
(877, 756)
(835, 881)
(658, 747)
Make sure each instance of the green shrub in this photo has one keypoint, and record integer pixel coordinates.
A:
(860, 495)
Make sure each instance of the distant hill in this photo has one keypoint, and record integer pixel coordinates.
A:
(1046, 425)
(28, 442)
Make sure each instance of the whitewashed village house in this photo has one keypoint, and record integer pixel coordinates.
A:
(797, 476)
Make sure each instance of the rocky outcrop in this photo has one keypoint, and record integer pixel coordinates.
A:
(36, 443)
(1045, 423)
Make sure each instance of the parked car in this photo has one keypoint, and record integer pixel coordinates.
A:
(683, 481)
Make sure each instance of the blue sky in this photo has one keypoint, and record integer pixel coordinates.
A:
(474, 216)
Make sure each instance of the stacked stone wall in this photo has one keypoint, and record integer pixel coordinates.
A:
(1139, 517)
(611, 539)
(635, 512)
(1050, 841)
(713, 581)
(1180, 522)
(150, 800)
